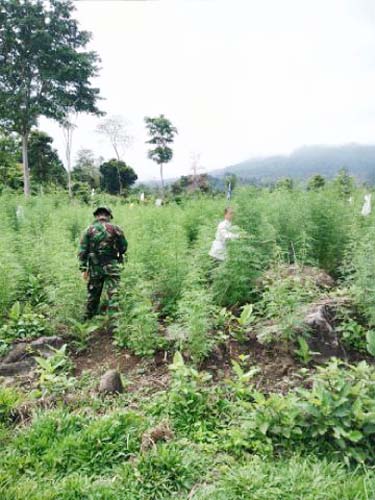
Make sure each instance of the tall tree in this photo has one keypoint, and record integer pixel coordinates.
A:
(44, 67)
(316, 182)
(10, 167)
(45, 164)
(114, 129)
(116, 175)
(161, 132)
(68, 126)
(86, 169)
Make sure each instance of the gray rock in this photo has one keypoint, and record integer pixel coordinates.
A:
(11, 369)
(111, 383)
(18, 352)
(53, 341)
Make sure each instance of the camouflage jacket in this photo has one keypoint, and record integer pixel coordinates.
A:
(101, 243)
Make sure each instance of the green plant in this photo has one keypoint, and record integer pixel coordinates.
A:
(370, 338)
(241, 386)
(9, 399)
(303, 351)
(53, 372)
(81, 333)
(23, 323)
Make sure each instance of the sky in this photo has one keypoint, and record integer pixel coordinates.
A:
(238, 78)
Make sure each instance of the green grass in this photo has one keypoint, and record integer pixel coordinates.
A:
(230, 441)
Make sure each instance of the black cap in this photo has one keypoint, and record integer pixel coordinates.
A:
(106, 210)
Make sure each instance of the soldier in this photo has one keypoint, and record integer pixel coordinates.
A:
(101, 252)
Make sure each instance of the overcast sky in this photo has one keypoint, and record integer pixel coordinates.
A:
(238, 78)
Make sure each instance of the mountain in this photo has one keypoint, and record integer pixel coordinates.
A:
(304, 162)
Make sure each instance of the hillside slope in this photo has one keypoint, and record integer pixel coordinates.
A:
(307, 161)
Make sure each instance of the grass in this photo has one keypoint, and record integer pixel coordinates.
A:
(230, 441)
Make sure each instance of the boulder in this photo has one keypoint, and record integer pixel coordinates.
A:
(16, 368)
(53, 341)
(18, 353)
(20, 359)
(111, 383)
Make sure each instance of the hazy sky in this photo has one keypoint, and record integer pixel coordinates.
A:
(238, 78)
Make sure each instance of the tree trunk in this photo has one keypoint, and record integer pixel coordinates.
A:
(25, 162)
(162, 180)
(70, 183)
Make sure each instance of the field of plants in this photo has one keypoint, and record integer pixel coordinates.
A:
(249, 379)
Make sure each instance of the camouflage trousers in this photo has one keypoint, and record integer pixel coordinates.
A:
(106, 277)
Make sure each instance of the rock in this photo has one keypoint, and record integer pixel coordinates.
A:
(111, 383)
(18, 352)
(319, 317)
(53, 341)
(11, 369)
(20, 359)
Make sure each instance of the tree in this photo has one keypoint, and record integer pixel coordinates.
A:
(161, 132)
(316, 182)
(116, 175)
(345, 183)
(45, 164)
(44, 69)
(86, 169)
(285, 184)
(10, 168)
(68, 127)
(114, 128)
(191, 183)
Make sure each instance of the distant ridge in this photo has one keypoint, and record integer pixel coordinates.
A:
(304, 162)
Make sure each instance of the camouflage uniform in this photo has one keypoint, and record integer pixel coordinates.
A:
(101, 251)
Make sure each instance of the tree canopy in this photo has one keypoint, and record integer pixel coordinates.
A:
(45, 164)
(161, 132)
(116, 175)
(44, 67)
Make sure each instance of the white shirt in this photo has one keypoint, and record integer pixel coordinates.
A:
(223, 233)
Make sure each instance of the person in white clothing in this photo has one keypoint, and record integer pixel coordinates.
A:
(223, 233)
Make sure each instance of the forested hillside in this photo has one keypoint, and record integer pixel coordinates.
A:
(358, 159)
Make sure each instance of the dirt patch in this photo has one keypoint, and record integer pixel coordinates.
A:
(143, 375)
(101, 355)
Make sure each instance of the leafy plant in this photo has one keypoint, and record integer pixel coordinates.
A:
(370, 338)
(303, 352)
(81, 333)
(53, 372)
(23, 323)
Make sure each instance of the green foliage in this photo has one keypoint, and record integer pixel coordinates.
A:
(23, 323)
(316, 182)
(161, 132)
(189, 403)
(116, 176)
(10, 168)
(370, 338)
(9, 400)
(53, 372)
(281, 302)
(85, 171)
(45, 164)
(195, 321)
(303, 351)
(137, 326)
(292, 478)
(81, 333)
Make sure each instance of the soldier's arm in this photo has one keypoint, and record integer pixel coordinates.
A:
(83, 253)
